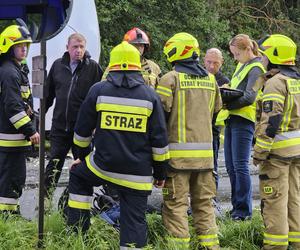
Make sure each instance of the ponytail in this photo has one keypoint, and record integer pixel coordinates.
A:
(254, 48)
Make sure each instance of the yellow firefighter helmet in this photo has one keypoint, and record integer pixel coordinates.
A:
(181, 46)
(124, 57)
(279, 49)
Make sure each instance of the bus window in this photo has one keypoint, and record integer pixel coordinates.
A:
(45, 18)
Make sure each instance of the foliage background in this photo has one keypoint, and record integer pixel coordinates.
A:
(213, 23)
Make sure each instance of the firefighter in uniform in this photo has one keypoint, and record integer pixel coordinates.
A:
(17, 131)
(150, 70)
(277, 148)
(191, 100)
(131, 146)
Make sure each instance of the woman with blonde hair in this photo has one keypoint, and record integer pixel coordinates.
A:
(240, 124)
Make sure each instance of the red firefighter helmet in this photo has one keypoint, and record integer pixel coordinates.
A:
(137, 36)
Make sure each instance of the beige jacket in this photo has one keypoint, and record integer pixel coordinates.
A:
(192, 102)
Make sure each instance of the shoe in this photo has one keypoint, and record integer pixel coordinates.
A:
(239, 218)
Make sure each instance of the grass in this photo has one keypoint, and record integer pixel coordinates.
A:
(18, 233)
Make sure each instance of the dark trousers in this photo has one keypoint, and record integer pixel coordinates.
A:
(12, 178)
(60, 145)
(133, 230)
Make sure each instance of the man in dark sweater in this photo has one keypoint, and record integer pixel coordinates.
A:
(213, 61)
(68, 81)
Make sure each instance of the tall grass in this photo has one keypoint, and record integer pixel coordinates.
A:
(17, 233)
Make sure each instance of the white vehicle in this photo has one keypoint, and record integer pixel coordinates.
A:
(55, 21)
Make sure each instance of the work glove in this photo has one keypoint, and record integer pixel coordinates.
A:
(159, 173)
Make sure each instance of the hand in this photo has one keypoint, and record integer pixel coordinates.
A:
(159, 183)
(75, 163)
(257, 162)
(226, 85)
(35, 138)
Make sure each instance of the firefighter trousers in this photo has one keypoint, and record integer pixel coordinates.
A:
(133, 225)
(12, 179)
(60, 146)
(202, 188)
(280, 202)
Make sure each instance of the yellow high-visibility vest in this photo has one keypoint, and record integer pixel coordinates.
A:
(247, 112)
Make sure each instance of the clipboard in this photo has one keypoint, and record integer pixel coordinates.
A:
(228, 94)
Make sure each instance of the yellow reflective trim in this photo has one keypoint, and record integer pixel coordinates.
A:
(161, 157)
(263, 144)
(294, 240)
(195, 82)
(208, 236)
(276, 236)
(191, 153)
(211, 243)
(162, 93)
(181, 117)
(8, 207)
(125, 183)
(275, 243)
(211, 101)
(293, 86)
(123, 109)
(294, 233)
(21, 143)
(287, 114)
(181, 239)
(22, 122)
(79, 205)
(274, 97)
(123, 122)
(82, 144)
(164, 89)
(286, 143)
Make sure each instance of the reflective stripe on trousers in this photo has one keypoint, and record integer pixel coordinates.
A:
(131, 181)
(208, 240)
(80, 201)
(275, 240)
(294, 236)
(180, 243)
(10, 204)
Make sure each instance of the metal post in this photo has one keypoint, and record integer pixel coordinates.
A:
(38, 83)
(42, 159)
